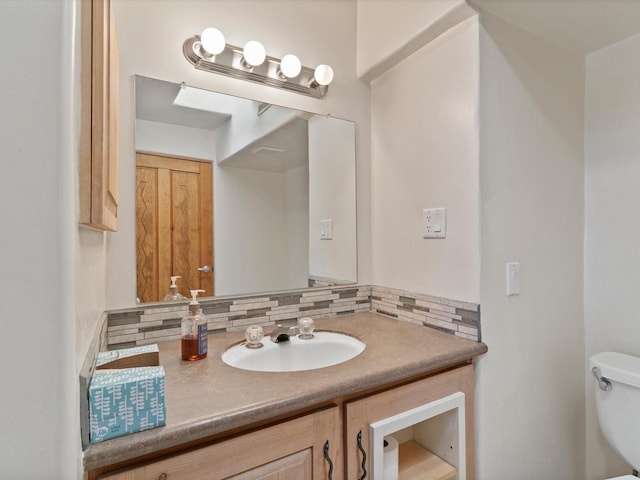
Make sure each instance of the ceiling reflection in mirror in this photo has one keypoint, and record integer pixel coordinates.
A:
(240, 197)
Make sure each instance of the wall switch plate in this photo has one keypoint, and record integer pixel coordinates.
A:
(326, 229)
(513, 278)
(434, 223)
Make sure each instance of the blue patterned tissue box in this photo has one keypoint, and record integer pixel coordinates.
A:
(126, 401)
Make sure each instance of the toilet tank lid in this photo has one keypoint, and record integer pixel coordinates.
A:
(618, 367)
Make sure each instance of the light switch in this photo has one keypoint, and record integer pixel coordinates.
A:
(513, 278)
(437, 222)
(326, 229)
(434, 221)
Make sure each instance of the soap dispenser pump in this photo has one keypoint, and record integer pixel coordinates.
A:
(174, 295)
(194, 331)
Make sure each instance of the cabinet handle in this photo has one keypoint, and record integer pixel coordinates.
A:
(328, 459)
(163, 476)
(364, 456)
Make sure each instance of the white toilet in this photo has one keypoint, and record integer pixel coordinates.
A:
(617, 392)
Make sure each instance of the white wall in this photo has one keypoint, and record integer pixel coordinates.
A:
(391, 30)
(296, 217)
(174, 140)
(425, 155)
(252, 231)
(48, 320)
(151, 35)
(612, 230)
(332, 177)
(528, 207)
(530, 385)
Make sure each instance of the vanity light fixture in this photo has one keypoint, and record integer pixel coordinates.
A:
(323, 75)
(210, 52)
(253, 54)
(212, 42)
(290, 67)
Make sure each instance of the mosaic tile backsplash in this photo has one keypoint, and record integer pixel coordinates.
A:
(461, 319)
(154, 323)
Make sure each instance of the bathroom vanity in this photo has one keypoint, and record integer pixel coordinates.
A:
(224, 422)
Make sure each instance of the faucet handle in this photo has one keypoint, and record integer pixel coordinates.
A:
(253, 335)
(306, 326)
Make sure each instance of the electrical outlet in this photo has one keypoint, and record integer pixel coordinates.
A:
(434, 221)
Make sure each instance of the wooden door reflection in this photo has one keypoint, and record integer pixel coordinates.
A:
(174, 225)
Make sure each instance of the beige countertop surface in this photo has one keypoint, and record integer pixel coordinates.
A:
(208, 397)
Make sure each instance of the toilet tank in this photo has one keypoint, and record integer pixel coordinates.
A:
(618, 408)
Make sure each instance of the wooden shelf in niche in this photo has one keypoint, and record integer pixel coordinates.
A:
(416, 462)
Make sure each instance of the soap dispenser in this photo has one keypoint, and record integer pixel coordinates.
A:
(194, 331)
(174, 295)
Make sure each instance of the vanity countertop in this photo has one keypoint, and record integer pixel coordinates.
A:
(208, 397)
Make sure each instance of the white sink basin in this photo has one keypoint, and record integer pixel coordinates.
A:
(326, 349)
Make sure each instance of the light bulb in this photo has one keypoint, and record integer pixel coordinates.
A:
(254, 53)
(212, 41)
(323, 74)
(290, 66)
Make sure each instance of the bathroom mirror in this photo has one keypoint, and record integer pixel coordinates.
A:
(240, 197)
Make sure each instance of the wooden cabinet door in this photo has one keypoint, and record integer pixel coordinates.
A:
(292, 450)
(174, 226)
(100, 117)
(361, 413)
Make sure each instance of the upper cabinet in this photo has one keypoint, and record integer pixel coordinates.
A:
(99, 134)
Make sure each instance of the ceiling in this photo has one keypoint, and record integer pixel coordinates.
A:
(154, 103)
(278, 151)
(580, 25)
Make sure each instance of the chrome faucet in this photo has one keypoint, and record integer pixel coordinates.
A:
(281, 333)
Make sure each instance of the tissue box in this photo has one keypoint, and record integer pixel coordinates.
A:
(126, 401)
(143, 356)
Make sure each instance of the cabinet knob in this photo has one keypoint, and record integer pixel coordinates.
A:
(163, 476)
